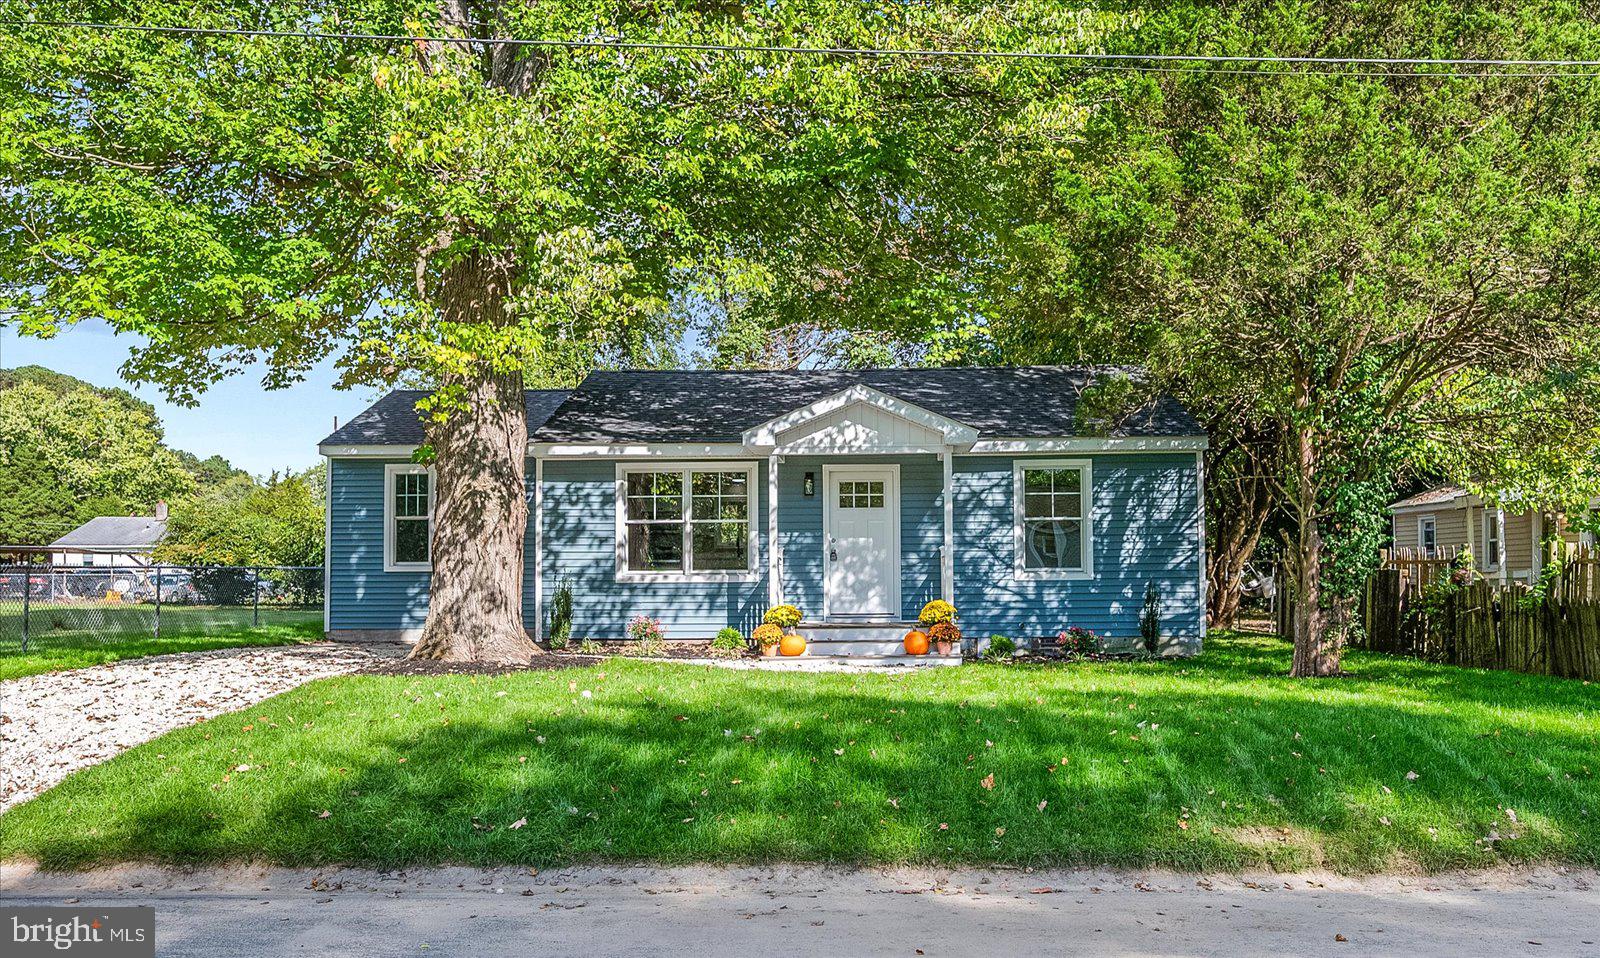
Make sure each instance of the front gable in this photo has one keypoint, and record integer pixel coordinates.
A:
(860, 420)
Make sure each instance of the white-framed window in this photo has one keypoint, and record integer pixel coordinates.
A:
(1492, 547)
(1427, 535)
(1053, 518)
(408, 497)
(686, 522)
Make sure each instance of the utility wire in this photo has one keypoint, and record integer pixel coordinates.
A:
(1143, 62)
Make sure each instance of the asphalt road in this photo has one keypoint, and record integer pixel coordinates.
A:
(703, 912)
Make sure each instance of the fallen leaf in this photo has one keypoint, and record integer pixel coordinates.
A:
(517, 824)
(988, 782)
(1340, 938)
(325, 813)
(1412, 776)
(1043, 803)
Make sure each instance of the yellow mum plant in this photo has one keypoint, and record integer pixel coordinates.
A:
(783, 616)
(937, 611)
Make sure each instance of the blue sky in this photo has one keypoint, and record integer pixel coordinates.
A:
(249, 426)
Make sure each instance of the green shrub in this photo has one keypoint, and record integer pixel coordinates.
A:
(590, 647)
(729, 644)
(561, 614)
(1150, 619)
(1000, 648)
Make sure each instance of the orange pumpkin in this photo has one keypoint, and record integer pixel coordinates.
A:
(792, 644)
(916, 642)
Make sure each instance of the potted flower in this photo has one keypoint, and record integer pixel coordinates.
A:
(785, 617)
(767, 637)
(945, 635)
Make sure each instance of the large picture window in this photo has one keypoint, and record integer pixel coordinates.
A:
(686, 522)
(1053, 522)
(407, 518)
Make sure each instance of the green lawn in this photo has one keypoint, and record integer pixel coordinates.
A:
(83, 635)
(1212, 763)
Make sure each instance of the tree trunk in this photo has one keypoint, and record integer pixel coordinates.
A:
(481, 509)
(1316, 645)
(1237, 532)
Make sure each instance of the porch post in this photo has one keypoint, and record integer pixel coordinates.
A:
(538, 549)
(1537, 531)
(774, 587)
(947, 557)
(1500, 524)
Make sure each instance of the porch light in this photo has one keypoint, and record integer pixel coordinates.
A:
(811, 484)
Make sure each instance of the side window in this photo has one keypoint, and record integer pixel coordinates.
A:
(1427, 536)
(1053, 528)
(408, 518)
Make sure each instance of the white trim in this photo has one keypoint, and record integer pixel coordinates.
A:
(1200, 536)
(774, 582)
(892, 503)
(1422, 545)
(390, 470)
(750, 573)
(947, 549)
(1493, 525)
(1002, 447)
(1500, 536)
(327, 545)
(955, 433)
(538, 549)
(373, 451)
(642, 450)
(1085, 468)
(845, 450)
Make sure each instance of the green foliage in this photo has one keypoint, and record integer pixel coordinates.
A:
(1150, 619)
(590, 647)
(783, 616)
(1001, 648)
(279, 523)
(647, 636)
(937, 611)
(560, 615)
(728, 644)
(70, 451)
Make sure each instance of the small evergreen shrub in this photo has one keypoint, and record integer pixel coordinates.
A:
(1150, 619)
(590, 647)
(561, 614)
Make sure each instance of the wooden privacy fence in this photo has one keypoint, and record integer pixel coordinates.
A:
(1411, 608)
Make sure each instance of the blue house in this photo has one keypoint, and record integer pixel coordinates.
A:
(704, 498)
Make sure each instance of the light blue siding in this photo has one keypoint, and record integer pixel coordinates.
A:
(921, 529)
(1145, 515)
(361, 595)
(1145, 525)
(580, 535)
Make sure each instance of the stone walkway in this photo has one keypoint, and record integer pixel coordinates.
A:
(52, 725)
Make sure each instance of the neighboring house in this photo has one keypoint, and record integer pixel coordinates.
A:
(1504, 543)
(112, 542)
(662, 494)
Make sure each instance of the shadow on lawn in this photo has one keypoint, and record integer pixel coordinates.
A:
(680, 764)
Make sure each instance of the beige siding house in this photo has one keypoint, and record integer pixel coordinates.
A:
(1504, 544)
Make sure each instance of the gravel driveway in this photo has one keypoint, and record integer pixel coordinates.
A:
(52, 725)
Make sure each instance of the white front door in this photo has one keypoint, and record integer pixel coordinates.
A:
(861, 564)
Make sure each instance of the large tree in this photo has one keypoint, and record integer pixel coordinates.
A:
(1352, 275)
(462, 213)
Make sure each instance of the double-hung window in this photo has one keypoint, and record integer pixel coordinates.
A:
(1492, 555)
(1427, 536)
(407, 518)
(685, 523)
(1054, 526)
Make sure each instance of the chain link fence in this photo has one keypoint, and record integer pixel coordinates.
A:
(49, 605)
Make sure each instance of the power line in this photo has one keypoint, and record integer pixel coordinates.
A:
(1140, 62)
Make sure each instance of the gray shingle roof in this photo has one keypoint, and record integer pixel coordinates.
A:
(393, 420)
(1430, 497)
(1000, 402)
(632, 406)
(135, 533)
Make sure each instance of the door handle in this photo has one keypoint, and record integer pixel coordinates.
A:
(833, 555)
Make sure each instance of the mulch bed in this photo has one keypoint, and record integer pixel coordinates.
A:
(568, 658)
